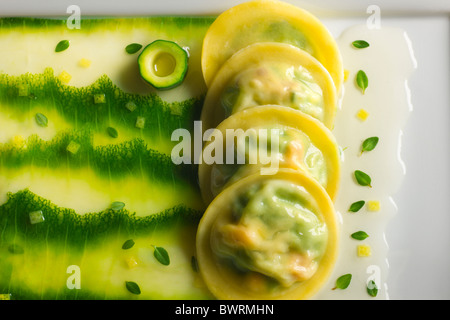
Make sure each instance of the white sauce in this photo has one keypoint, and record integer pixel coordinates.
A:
(388, 63)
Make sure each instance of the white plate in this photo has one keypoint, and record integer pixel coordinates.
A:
(418, 236)
(145, 7)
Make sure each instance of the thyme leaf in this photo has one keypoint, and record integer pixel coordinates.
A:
(133, 48)
(356, 206)
(369, 144)
(363, 178)
(343, 281)
(128, 244)
(133, 287)
(112, 132)
(359, 235)
(62, 45)
(360, 44)
(372, 288)
(117, 205)
(362, 81)
(161, 255)
(41, 120)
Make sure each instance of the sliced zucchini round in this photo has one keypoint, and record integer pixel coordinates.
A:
(245, 243)
(163, 64)
(270, 73)
(269, 21)
(304, 144)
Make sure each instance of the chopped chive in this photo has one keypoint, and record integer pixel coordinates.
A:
(131, 106)
(22, 90)
(99, 98)
(36, 217)
(140, 122)
(73, 147)
(5, 296)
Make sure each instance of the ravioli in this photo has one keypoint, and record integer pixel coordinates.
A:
(270, 73)
(271, 166)
(268, 238)
(269, 21)
(303, 143)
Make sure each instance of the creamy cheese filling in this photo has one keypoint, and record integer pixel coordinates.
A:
(273, 230)
(280, 84)
(295, 150)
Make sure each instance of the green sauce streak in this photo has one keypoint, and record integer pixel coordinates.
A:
(88, 112)
(114, 160)
(78, 105)
(65, 231)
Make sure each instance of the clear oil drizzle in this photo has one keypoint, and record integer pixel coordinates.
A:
(388, 62)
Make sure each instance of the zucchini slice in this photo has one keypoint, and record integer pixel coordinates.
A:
(271, 73)
(304, 144)
(251, 210)
(163, 64)
(269, 21)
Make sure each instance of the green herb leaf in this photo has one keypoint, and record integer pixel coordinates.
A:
(362, 81)
(343, 281)
(161, 255)
(112, 132)
(372, 288)
(62, 45)
(360, 44)
(369, 144)
(363, 178)
(128, 244)
(356, 206)
(41, 120)
(133, 287)
(133, 48)
(117, 205)
(194, 264)
(359, 235)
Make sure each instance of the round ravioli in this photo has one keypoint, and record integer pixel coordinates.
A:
(270, 73)
(262, 140)
(269, 21)
(268, 237)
